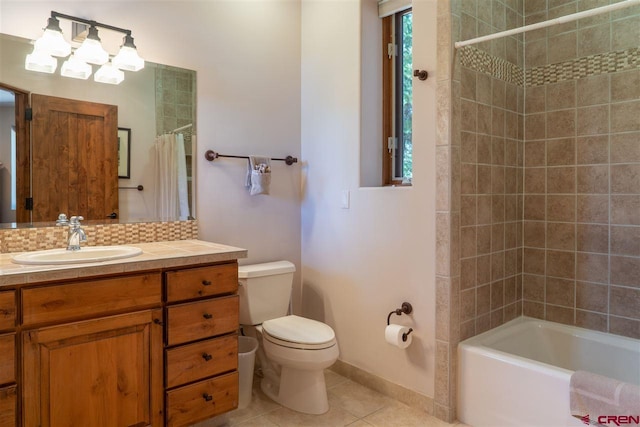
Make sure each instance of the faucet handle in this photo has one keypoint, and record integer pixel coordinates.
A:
(76, 219)
(62, 220)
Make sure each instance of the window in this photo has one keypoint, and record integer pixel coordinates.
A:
(397, 95)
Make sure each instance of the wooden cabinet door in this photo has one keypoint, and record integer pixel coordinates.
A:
(74, 158)
(99, 373)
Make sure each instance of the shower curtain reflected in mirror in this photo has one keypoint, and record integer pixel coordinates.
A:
(172, 199)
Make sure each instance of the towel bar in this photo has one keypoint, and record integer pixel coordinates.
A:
(211, 155)
(139, 188)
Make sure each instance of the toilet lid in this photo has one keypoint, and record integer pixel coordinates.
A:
(299, 330)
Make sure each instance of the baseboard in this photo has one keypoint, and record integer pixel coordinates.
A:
(387, 388)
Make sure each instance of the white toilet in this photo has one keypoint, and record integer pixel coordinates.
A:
(294, 351)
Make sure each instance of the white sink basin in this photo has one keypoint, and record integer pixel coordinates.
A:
(84, 255)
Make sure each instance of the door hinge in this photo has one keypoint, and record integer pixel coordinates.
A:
(392, 50)
(28, 114)
(392, 143)
(28, 203)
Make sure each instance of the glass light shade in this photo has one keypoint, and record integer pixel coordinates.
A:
(41, 61)
(53, 43)
(91, 51)
(128, 59)
(109, 74)
(75, 68)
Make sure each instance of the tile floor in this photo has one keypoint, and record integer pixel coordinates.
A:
(350, 404)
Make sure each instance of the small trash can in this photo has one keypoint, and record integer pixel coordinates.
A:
(247, 347)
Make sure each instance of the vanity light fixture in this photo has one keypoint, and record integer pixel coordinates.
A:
(128, 59)
(52, 43)
(108, 73)
(76, 68)
(91, 50)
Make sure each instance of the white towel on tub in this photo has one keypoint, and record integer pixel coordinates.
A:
(593, 396)
(259, 175)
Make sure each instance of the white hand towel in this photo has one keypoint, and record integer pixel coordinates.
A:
(259, 175)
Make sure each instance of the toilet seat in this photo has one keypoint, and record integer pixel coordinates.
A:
(299, 333)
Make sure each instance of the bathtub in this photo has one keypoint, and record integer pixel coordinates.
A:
(518, 374)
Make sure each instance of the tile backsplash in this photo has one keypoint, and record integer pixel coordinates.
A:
(40, 238)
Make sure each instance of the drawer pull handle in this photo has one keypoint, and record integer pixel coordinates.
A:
(207, 397)
(207, 357)
(207, 316)
(206, 282)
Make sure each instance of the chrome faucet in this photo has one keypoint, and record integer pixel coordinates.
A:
(76, 234)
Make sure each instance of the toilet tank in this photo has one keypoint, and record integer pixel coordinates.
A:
(264, 291)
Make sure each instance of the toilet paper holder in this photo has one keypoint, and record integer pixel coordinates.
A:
(406, 308)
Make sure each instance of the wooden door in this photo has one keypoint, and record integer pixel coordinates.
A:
(101, 373)
(74, 158)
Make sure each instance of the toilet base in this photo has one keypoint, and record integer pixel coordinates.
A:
(300, 390)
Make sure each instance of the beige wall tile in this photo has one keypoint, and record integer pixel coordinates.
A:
(536, 53)
(593, 40)
(561, 152)
(561, 235)
(534, 208)
(593, 149)
(594, 209)
(593, 120)
(590, 320)
(561, 208)
(625, 33)
(625, 178)
(484, 179)
(497, 150)
(561, 180)
(484, 149)
(468, 210)
(468, 179)
(625, 241)
(625, 210)
(483, 299)
(592, 267)
(533, 309)
(534, 261)
(624, 116)
(625, 147)
(484, 119)
(625, 327)
(593, 179)
(561, 95)
(468, 153)
(483, 269)
(592, 238)
(561, 264)
(484, 210)
(467, 306)
(625, 271)
(497, 266)
(592, 297)
(483, 239)
(561, 123)
(497, 295)
(624, 302)
(535, 99)
(625, 86)
(558, 314)
(468, 273)
(560, 292)
(535, 153)
(535, 126)
(497, 209)
(534, 234)
(592, 90)
(535, 180)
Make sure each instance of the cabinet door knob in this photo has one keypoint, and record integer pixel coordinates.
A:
(207, 397)
(421, 74)
(207, 357)
(207, 316)
(206, 282)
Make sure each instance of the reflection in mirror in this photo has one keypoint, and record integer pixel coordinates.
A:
(156, 100)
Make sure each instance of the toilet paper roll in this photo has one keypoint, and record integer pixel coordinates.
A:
(393, 335)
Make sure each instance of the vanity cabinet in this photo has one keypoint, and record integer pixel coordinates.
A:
(92, 352)
(8, 388)
(201, 353)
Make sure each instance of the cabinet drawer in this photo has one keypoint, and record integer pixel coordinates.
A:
(7, 358)
(203, 319)
(205, 399)
(201, 282)
(90, 299)
(7, 310)
(8, 406)
(203, 359)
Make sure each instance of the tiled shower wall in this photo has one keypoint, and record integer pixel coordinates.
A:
(558, 110)
(582, 169)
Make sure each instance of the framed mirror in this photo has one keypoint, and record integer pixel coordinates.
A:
(155, 100)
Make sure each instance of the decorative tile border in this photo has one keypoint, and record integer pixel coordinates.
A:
(483, 62)
(592, 65)
(35, 239)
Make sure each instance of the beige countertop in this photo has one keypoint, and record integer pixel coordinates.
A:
(155, 255)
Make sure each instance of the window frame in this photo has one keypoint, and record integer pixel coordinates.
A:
(392, 105)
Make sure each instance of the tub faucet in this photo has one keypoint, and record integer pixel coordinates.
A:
(76, 234)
